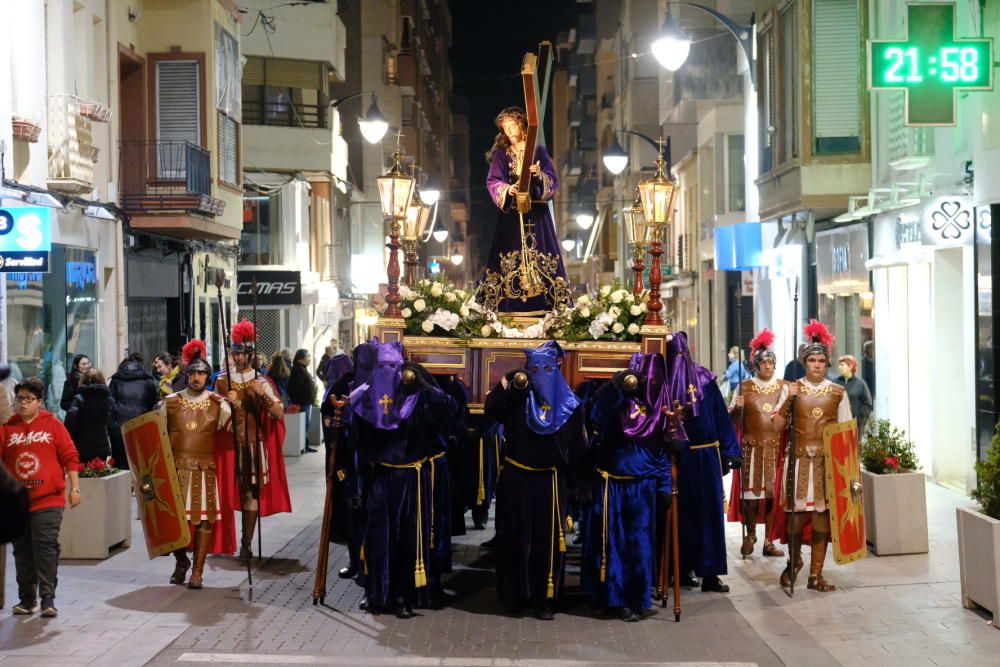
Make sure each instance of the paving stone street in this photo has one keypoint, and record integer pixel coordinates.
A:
(889, 611)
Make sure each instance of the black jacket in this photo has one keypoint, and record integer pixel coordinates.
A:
(134, 390)
(301, 388)
(87, 421)
(69, 390)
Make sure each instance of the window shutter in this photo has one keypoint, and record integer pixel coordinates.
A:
(789, 81)
(228, 147)
(178, 101)
(836, 75)
(284, 73)
(253, 71)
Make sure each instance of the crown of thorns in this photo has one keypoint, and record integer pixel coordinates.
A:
(515, 113)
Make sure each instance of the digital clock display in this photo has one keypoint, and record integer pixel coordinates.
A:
(901, 64)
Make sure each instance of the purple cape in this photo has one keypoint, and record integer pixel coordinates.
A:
(383, 401)
(551, 401)
(643, 419)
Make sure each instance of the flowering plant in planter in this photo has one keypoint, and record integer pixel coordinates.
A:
(435, 308)
(987, 493)
(886, 450)
(610, 313)
(292, 409)
(98, 467)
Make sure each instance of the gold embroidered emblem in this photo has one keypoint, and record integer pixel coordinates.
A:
(545, 411)
(638, 409)
(386, 402)
(191, 425)
(817, 412)
(767, 407)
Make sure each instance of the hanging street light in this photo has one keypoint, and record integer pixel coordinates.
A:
(672, 45)
(568, 245)
(457, 258)
(395, 189)
(373, 124)
(584, 220)
(615, 158)
(659, 198)
(440, 235)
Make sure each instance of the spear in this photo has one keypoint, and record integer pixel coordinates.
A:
(790, 473)
(237, 450)
(255, 486)
(739, 388)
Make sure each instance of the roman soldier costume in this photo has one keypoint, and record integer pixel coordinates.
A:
(816, 406)
(755, 485)
(193, 419)
(263, 487)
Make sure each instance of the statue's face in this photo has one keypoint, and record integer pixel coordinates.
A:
(511, 128)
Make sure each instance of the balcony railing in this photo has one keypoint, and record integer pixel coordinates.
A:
(284, 114)
(167, 177)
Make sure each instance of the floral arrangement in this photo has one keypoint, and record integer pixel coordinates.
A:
(610, 313)
(987, 493)
(434, 308)
(96, 468)
(292, 409)
(886, 449)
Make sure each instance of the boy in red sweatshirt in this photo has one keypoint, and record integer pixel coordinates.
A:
(36, 448)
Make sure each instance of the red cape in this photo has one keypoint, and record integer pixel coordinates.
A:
(778, 529)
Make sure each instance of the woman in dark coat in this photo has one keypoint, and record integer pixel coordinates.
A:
(135, 392)
(89, 415)
(81, 364)
(301, 388)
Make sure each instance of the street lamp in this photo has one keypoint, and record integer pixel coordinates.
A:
(638, 235)
(395, 189)
(373, 124)
(659, 198)
(616, 159)
(440, 235)
(457, 258)
(417, 215)
(568, 245)
(584, 219)
(672, 45)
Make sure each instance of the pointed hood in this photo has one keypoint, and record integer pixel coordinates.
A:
(642, 417)
(551, 401)
(383, 401)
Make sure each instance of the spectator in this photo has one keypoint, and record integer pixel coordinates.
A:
(14, 500)
(302, 388)
(279, 372)
(857, 391)
(135, 392)
(868, 365)
(737, 370)
(167, 370)
(89, 415)
(37, 449)
(5, 408)
(328, 352)
(81, 364)
(8, 382)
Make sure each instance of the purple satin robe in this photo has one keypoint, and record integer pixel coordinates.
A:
(507, 235)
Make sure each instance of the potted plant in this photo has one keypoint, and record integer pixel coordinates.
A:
(895, 494)
(103, 521)
(979, 537)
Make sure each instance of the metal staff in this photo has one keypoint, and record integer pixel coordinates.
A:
(237, 450)
(258, 445)
(790, 472)
(322, 559)
(739, 389)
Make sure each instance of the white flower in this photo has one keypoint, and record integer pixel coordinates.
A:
(634, 310)
(584, 300)
(464, 311)
(419, 305)
(424, 282)
(498, 326)
(427, 325)
(618, 327)
(486, 331)
(475, 307)
(450, 296)
(614, 312)
(617, 296)
(597, 328)
(633, 328)
(407, 313)
(643, 307)
(584, 312)
(445, 319)
(606, 290)
(630, 298)
(436, 290)
(405, 292)
(605, 319)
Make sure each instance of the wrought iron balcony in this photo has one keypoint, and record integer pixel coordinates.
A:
(166, 177)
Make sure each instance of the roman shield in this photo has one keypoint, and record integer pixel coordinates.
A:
(154, 479)
(843, 491)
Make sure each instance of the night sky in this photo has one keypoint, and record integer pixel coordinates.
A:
(489, 41)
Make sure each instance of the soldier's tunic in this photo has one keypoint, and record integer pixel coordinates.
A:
(761, 441)
(245, 424)
(816, 406)
(192, 422)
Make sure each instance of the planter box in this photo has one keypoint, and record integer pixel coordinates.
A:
(102, 522)
(979, 560)
(26, 130)
(895, 512)
(295, 434)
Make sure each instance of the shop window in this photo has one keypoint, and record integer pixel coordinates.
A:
(51, 317)
(836, 77)
(284, 92)
(260, 242)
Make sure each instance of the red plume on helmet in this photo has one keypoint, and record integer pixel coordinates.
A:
(193, 349)
(243, 332)
(763, 341)
(816, 332)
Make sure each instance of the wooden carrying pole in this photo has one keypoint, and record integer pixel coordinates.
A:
(323, 557)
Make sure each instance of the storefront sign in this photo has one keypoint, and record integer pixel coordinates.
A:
(907, 230)
(25, 239)
(274, 288)
(840, 260)
(948, 221)
(931, 65)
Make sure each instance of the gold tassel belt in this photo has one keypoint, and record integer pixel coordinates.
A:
(419, 572)
(607, 476)
(711, 444)
(556, 521)
(432, 460)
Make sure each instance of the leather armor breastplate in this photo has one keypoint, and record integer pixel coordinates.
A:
(192, 428)
(814, 410)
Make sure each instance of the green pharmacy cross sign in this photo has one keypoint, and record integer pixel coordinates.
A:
(931, 65)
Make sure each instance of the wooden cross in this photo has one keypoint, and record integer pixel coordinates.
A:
(638, 409)
(386, 402)
(545, 410)
(536, 71)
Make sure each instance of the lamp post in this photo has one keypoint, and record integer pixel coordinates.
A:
(616, 159)
(373, 124)
(659, 198)
(417, 215)
(638, 236)
(395, 189)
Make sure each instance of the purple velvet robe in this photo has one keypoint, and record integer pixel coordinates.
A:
(507, 235)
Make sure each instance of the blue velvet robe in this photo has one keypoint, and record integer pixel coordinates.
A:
(629, 548)
(701, 500)
(488, 457)
(507, 235)
(395, 496)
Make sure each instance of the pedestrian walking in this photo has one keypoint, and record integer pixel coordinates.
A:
(302, 388)
(37, 449)
(135, 392)
(737, 370)
(167, 371)
(81, 364)
(89, 415)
